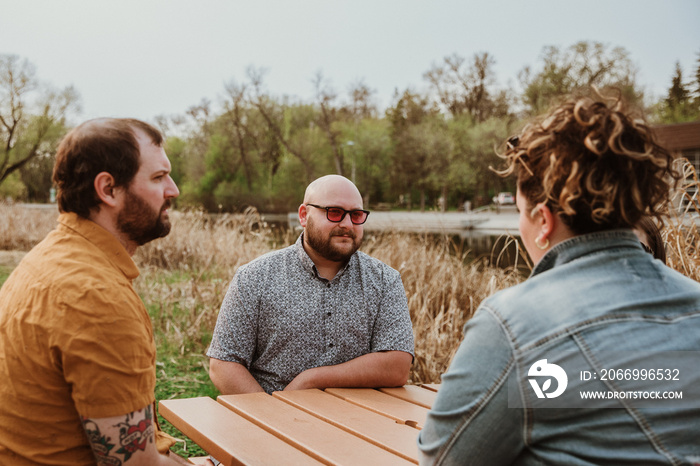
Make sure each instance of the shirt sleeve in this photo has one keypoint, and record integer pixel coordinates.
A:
(393, 330)
(235, 332)
(470, 421)
(107, 353)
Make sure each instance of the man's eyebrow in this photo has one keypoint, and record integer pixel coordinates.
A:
(342, 208)
(161, 171)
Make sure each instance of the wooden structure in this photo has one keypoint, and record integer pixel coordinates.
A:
(337, 426)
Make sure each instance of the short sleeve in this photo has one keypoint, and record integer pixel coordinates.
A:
(393, 330)
(235, 331)
(108, 352)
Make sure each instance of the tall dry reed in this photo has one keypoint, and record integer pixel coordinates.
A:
(443, 287)
(443, 290)
(21, 227)
(681, 235)
(185, 276)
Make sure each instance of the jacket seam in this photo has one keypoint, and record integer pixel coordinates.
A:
(633, 412)
(528, 417)
(591, 323)
(468, 416)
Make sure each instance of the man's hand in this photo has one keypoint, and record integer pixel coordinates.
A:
(180, 460)
(303, 381)
(380, 369)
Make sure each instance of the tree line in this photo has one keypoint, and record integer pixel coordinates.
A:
(429, 149)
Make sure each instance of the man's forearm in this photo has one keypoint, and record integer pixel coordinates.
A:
(381, 369)
(232, 378)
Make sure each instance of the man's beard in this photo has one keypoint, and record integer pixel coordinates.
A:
(139, 222)
(323, 246)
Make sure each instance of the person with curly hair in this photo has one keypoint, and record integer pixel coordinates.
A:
(556, 370)
(650, 238)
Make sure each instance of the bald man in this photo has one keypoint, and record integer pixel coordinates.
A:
(316, 314)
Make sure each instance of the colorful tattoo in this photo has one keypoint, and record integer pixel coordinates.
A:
(134, 437)
(100, 444)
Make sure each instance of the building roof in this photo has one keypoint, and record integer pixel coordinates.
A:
(679, 136)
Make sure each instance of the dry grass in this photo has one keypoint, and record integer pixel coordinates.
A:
(185, 276)
(443, 291)
(21, 228)
(681, 234)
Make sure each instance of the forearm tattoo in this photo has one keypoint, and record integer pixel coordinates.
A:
(134, 434)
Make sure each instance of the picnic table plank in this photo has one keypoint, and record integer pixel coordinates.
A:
(386, 405)
(229, 438)
(380, 430)
(431, 386)
(317, 438)
(413, 393)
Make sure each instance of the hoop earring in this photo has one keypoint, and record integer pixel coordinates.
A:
(542, 246)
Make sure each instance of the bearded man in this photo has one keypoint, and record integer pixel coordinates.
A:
(77, 355)
(316, 314)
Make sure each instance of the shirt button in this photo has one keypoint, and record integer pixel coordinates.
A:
(328, 285)
(328, 314)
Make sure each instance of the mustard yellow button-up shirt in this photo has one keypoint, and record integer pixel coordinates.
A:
(75, 340)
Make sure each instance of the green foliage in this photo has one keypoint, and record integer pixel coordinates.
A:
(5, 272)
(368, 159)
(31, 120)
(477, 144)
(261, 150)
(679, 106)
(13, 188)
(466, 87)
(574, 70)
(176, 148)
(36, 173)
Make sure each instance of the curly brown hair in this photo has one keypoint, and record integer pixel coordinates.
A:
(593, 164)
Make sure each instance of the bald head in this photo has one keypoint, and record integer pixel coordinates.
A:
(333, 190)
(331, 243)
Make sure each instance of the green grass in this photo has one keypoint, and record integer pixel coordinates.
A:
(4, 273)
(182, 377)
(181, 343)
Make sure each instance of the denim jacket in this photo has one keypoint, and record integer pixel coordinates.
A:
(595, 308)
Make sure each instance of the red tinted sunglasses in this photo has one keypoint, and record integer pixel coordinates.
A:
(337, 214)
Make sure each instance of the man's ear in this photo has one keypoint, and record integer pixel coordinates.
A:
(303, 211)
(105, 189)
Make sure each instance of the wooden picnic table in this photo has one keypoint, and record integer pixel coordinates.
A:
(336, 426)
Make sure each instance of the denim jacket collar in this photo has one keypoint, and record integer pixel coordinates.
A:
(580, 245)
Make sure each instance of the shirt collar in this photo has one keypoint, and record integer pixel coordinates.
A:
(580, 245)
(103, 240)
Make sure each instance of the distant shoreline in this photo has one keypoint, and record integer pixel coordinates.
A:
(491, 222)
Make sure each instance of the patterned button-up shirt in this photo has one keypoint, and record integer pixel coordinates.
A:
(279, 317)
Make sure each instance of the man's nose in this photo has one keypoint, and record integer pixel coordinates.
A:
(171, 190)
(346, 221)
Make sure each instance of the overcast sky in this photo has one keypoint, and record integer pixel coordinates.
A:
(144, 58)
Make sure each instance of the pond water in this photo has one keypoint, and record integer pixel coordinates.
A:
(500, 250)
